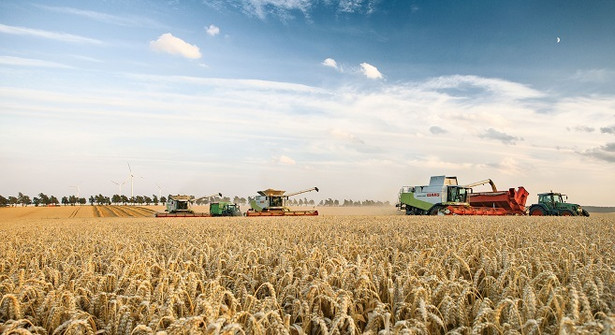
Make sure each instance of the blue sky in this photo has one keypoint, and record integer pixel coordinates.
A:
(355, 97)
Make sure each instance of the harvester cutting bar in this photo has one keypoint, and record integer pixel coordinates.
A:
(470, 210)
(182, 215)
(282, 213)
(511, 201)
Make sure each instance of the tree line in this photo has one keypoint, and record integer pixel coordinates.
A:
(50, 200)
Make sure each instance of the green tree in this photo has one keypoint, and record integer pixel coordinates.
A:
(155, 199)
(163, 200)
(44, 199)
(147, 200)
(92, 200)
(64, 200)
(3, 201)
(36, 201)
(13, 200)
(25, 200)
(53, 200)
(116, 199)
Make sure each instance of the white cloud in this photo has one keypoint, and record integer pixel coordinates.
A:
(357, 6)
(330, 62)
(213, 30)
(47, 34)
(281, 8)
(8, 60)
(370, 71)
(285, 160)
(493, 85)
(254, 130)
(175, 46)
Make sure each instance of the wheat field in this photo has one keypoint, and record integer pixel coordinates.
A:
(318, 275)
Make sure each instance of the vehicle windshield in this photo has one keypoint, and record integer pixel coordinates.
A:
(557, 198)
(457, 194)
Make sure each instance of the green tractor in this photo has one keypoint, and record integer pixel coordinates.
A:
(224, 208)
(555, 204)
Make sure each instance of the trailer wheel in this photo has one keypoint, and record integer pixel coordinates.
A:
(537, 211)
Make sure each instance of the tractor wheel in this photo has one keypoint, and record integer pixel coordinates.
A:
(585, 213)
(437, 210)
(566, 213)
(537, 211)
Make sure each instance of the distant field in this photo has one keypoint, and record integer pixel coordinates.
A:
(332, 274)
(63, 212)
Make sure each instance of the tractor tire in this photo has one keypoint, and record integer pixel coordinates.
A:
(537, 211)
(585, 213)
(436, 210)
(566, 213)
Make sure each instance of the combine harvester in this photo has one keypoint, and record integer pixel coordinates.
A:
(181, 206)
(273, 203)
(444, 196)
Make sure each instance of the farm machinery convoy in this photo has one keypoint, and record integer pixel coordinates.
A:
(269, 202)
(444, 196)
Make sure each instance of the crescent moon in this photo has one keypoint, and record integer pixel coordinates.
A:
(558, 39)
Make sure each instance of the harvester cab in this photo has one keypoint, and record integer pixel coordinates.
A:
(433, 198)
(553, 203)
(272, 202)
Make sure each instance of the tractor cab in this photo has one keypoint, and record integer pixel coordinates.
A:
(552, 200)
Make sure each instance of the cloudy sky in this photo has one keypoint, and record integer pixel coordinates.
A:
(357, 97)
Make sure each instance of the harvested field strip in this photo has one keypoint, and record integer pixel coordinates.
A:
(119, 211)
(97, 212)
(74, 213)
(105, 211)
(145, 211)
(129, 210)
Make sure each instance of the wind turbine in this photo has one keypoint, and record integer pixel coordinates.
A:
(119, 185)
(78, 190)
(131, 176)
(159, 191)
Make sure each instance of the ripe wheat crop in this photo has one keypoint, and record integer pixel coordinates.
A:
(320, 275)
